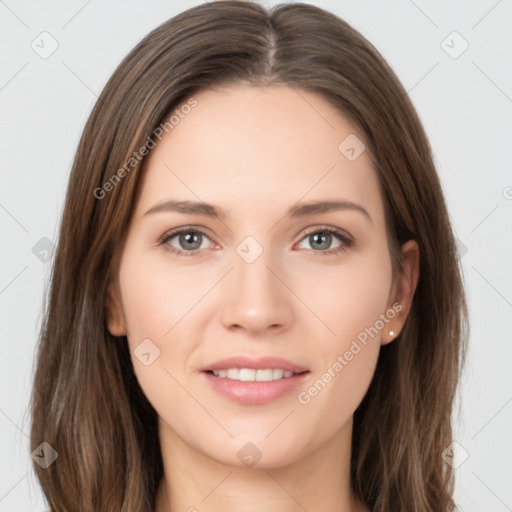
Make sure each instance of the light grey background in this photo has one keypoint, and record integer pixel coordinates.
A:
(465, 104)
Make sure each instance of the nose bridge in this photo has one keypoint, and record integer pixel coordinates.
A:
(255, 298)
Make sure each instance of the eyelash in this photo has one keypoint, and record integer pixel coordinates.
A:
(346, 242)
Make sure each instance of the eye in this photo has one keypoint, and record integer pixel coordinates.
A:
(322, 238)
(189, 241)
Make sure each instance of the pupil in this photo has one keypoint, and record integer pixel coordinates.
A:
(190, 238)
(324, 236)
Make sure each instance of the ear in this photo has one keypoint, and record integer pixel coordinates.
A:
(115, 320)
(402, 290)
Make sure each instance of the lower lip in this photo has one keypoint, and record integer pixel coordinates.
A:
(254, 393)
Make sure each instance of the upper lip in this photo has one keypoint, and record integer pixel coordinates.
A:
(261, 363)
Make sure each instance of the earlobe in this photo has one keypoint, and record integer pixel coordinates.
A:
(115, 321)
(404, 288)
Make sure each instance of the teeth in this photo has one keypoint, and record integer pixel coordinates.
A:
(251, 375)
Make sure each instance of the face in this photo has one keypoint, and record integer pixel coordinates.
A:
(259, 277)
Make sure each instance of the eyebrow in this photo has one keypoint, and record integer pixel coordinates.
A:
(298, 210)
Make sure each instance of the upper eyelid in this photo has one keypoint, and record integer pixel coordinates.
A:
(171, 233)
(326, 227)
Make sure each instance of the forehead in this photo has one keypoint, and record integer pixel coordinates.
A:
(259, 146)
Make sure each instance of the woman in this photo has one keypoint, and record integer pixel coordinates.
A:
(304, 352)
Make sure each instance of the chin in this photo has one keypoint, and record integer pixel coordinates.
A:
(259, 452)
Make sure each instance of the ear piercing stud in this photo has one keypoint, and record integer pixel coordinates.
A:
(391, 333)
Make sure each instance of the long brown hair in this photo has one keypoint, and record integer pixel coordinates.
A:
(86, 402)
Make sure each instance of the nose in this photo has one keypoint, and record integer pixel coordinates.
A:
(256, 298)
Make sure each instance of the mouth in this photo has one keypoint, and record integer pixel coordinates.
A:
(254, 382)
(252, 375)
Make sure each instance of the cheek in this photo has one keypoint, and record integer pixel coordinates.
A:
(156, 298)
(349, 298)
(352, 302)
(157, 303)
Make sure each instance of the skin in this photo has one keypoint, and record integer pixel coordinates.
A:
(255, 151)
